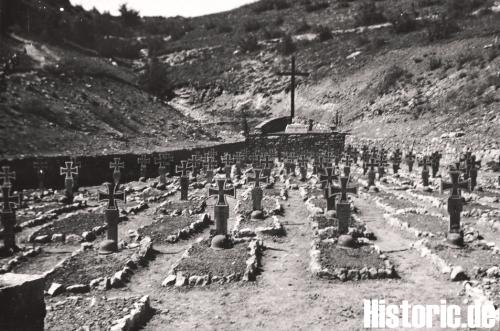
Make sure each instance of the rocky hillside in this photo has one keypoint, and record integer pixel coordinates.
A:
(400, 71)
(59, 101)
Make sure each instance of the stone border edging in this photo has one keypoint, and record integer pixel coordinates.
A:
(53, 214)
(137, 317)
(87, 236)
(345, 274)
(195, 227)
(276, 229)
(118, 279)
(7, 267)
(178, 279)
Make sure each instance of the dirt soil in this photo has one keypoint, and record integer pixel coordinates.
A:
(94, 312)
(334, 257)
(469, 257)
(167, 226)
(285, 287)
(74, 224)
(203, 260)
(89, 265)
(425, 223)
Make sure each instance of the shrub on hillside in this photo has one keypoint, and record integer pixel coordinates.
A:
(403, 22)
(324, 33)
(252, 25)
(273, 33)
(36, 106)
(210, 25)
(267, 5)
(303, 27)
(435, 63)
(129, 17)
(310, 6)
(155, 45)
(460, 8)
(249, 43)
(390, 77)
(441, 28)
(155, 79)
(368, 14)
(225, 28)
(114, 47)
(279, 21)
(466, 57)
(83, 31)
(286, 45)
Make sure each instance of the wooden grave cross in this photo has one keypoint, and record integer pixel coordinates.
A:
(7, 176)
(209, 165)
(221, 192)
(116, 165)
(184, 168)
(8, 217)
(371, 171)
(344, 189)
(293, 73)
(143, 160)
(455, 204)
(257, 177)
(111, 196)
(343, 207)
(9, 201)
(347, 164)
(110, 245)
(69, 171)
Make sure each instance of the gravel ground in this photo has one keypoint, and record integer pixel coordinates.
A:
(75, 224)
(334, 257)
(95, 312)
(203, 260)
(426, 223)
(167, 226)
(89, 265)
(468, 257)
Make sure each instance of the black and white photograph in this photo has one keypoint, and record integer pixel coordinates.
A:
(249, 165)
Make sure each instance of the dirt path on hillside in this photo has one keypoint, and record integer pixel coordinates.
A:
(286, 296)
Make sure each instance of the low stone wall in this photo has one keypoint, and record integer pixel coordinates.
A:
(95, 169)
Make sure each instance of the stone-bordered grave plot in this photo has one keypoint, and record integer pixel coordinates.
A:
(170, 229)
(349, 264)
(86, 269)
(280, 193)
(251, 227)
(470, 261)
(201, 265)
(421, 224)
(37, 260)
(270, 206)
(314, 196)
(74, 227)
(326, 227)
(401, 179)
(9, 263)
(194, 205)
(40, 214)
(86, 312)
(392, 203)
(486, 289)
(425, 200)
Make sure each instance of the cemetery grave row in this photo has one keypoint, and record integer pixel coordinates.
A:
(342, 248)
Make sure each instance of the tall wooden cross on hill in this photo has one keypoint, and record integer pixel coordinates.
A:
(293, 73)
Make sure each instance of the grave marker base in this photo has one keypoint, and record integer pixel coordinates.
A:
(111, 244)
